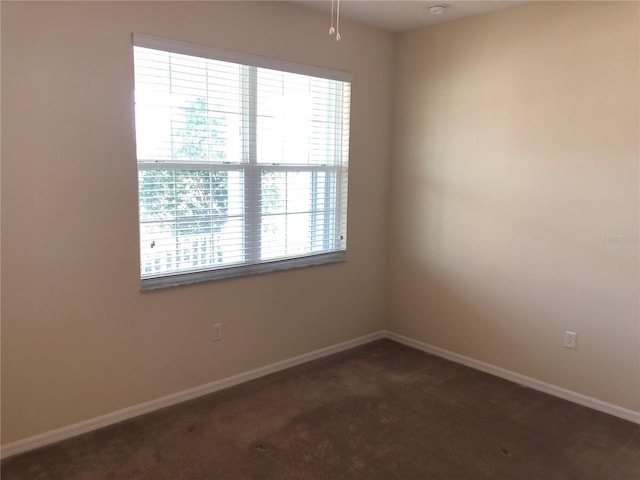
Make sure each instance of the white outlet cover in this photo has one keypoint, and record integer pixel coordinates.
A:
(217, 332)
(570, 339)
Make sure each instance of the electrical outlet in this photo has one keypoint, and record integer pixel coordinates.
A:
(217, 332)
(570, 339)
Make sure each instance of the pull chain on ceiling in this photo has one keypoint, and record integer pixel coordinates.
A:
(335, 30)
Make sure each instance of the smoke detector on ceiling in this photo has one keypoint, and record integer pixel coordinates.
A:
(437, 9)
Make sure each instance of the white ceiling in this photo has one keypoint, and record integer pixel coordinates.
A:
(403, 15)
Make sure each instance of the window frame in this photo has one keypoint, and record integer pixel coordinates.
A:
(251, 171)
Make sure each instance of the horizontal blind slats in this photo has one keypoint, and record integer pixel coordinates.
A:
(196, 115)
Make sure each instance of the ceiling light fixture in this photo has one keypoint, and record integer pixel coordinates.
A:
(437, 9)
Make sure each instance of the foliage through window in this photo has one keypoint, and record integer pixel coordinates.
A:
(242, 162)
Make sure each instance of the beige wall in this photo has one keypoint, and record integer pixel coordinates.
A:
(516, 146)
(78, 337)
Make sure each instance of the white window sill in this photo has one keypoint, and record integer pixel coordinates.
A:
(176, 280)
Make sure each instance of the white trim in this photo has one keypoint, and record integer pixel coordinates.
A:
(86, 426)
(575, 397)
(47, 438)
(185, 48)
(187, 278)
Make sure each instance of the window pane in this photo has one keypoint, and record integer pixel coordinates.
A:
(300, 119)
(187, 108)
(296, 213)
(190, 219)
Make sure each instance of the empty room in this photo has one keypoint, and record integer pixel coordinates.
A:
(320, 240)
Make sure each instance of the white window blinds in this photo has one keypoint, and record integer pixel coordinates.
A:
(242, 168)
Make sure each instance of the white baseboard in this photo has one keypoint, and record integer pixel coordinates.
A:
(76, 429)
(47, 438)
(554, 390)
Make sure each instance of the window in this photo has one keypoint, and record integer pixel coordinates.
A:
(242, 162)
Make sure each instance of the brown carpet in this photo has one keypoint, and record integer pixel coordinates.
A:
(382, 411)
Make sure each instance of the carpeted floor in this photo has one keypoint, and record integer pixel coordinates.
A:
(382, 411)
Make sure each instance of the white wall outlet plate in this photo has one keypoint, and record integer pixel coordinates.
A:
(570, 339)
(217, 332)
